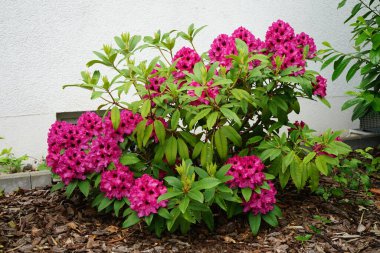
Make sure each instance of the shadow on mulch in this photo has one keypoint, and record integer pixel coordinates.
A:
(40, 221)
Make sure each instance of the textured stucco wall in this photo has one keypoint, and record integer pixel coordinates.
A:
(45, 44)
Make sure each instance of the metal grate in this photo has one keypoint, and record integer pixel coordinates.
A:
(72, 117)
(370, 122)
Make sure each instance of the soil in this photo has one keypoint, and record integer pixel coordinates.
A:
(41, 221)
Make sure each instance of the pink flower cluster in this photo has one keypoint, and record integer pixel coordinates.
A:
(261, 203)
(248, 173)
(320, 87)
(90, 146)
(144, 194)
(186, 59)
(210, 92)
(117, 183)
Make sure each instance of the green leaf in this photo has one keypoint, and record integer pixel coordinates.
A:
(352, 71)
(254, 223)
(206, 183)
(70, 188)
(288, 159)
(277, 211)
(199, 116)
(171, 150)
(175, 119)
(271, 219)
(350, 103)
(206, 154)
(196, 195)
(183, 151)
(230, 115)
(309, 157)
(169, 195)
(296, 172)
(339, 68)
(129, 159)
(115, 117)
(145, 109)
(329, 61)
(321, 165)
(376, 41)
(131, 220)
(221, 144)
(211, 119)
(147, 134)
(247, 193)
(96, 94)
(342, 3)
(197, 150)
(160, 131)
(84, 187)
(184, 204)
(57, 186)
(173, 181)
(104, 204)
(164, 213)
(232, 135)
(117, 205)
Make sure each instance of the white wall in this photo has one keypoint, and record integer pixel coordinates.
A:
(45, 44)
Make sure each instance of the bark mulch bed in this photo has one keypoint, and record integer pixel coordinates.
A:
(40, 221)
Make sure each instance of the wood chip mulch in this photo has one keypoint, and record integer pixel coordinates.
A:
(41, 221)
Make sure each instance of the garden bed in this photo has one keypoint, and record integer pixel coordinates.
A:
(38, 220)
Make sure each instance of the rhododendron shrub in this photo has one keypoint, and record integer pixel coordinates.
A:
(203, 132)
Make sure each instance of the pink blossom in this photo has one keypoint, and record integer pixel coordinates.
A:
(320, 87)
(144, 194)
(210, 92)
(278, 33)
(247, 172)
(104, 150)
(187, 58)
(117, 183)
(91, 124)
(263, 202)
(304, 40)
(128, 123)
(72, 165)
(221, 47)
(290, 56)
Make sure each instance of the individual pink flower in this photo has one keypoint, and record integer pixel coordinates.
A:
(254, 44)
(221, 47)
(263, 202)
(117, 183)
(91, 124)
(144, 194)
(72, 165)
(208, 93)
(304, 40)
(320, 88)
(128, 123)
(278, 33)
(104, 150)
(290, 56)
(187, 58)
(247, 172)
